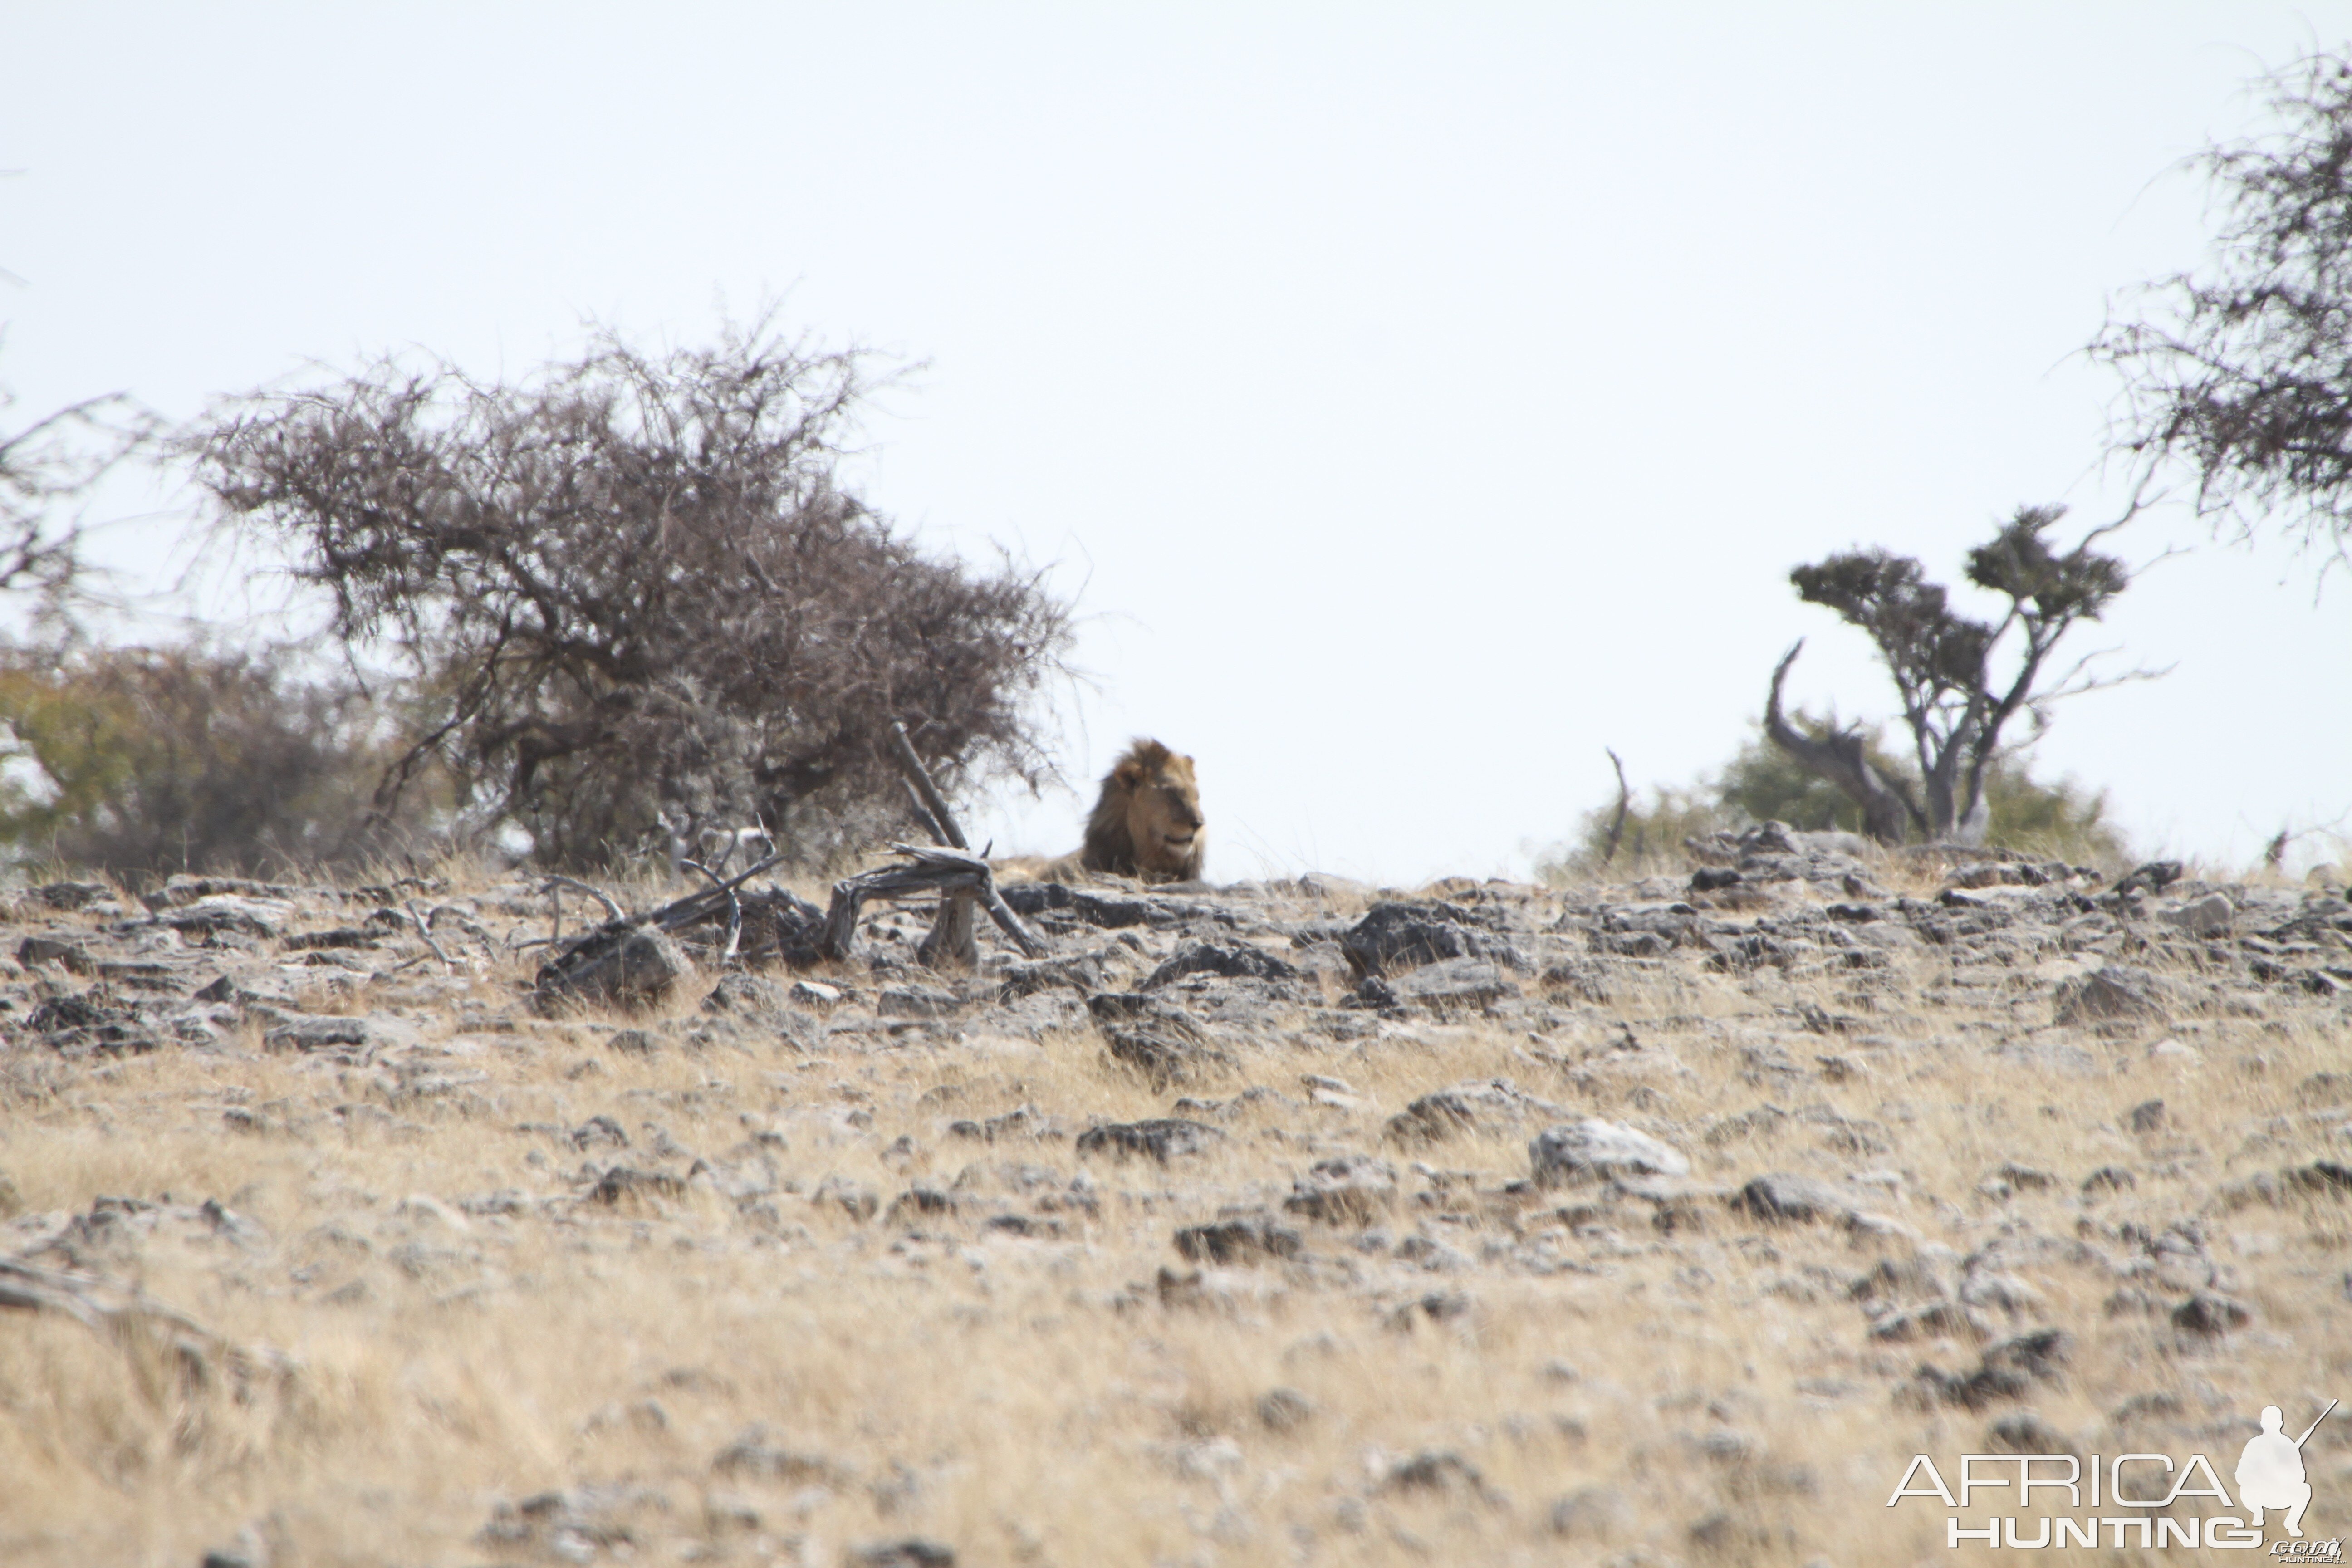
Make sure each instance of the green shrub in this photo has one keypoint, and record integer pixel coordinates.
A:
(1763, 783)
(142, 762)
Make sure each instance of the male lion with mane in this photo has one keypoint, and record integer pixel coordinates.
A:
(1147, 822)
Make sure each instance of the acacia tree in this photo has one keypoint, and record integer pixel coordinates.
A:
(632, 589)
(1942, 662)
(2243, 373)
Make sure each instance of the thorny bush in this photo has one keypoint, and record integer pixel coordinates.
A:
(632, 589)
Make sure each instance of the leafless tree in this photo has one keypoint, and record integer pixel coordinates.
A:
(46, 469)
(633, 585)
(2243, 373)
(1955, 705)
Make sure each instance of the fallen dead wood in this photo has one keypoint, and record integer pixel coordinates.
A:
(930, 870)
(129, 1317)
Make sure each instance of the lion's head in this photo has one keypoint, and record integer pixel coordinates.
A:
(1147, 822)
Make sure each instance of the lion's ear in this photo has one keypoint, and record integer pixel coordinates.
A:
(1129, 774)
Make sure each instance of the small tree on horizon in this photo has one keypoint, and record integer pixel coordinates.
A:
(1956, 708)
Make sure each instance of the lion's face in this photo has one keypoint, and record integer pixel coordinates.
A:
(1163, 817)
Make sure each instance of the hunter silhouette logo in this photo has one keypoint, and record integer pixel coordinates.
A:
(2149, 1494)
(2270, 1472)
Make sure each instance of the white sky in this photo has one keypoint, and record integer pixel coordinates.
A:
(1417, 400)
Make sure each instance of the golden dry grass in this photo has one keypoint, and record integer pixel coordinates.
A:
(1712, 1390)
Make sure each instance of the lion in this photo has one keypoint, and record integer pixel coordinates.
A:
(1147, 822)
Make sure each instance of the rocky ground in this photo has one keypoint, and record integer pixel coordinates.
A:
(1289, 1222)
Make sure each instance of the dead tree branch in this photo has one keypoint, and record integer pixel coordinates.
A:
(927, 871)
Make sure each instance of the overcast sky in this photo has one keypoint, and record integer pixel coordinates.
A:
(1415, 400)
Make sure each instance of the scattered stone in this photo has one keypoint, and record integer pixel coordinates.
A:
(2146, 1117)
(1284, 1410)
(636, 966)
(2108, 1179)
(816, 993)
(1780, 1198)
(1247, 1238)
(2211, 1314)
(915, 1002)
(756, 1453)
(632, 1043)
(1162, 1140)
(2111, 994)
(1345, 1190)
(1453, 985)
(912, 1553)
(2211, 915)
(1487, 1103)
(1593, 1148)
(1392, 937)
(1591, 1514)
(1233, 961)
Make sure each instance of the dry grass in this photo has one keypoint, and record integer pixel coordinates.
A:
(1081, 1399)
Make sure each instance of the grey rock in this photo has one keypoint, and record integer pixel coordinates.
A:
(912, 1553)
(1231, 960)
(2211, 1314)
(1162, 1140)
(1591, 1514)
(756, 1452)
(1594, 1149)
(636, 967)
(1393, 937)
(314, 1032)
(1284, 1410)
(2113, 992)
(1781, 1198)
(915, 1002)
(1458, 984)
(1492, 1102)
(1245, 1239)
(1346, 1189)
(2211, 915)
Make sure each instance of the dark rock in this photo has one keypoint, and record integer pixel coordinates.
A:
(65, 954)
(2325, 1176)
(1284, 1410)
(1780, 1198)
(2211, 1314)
(1235, 960)
(1476, 1102)
(1159, 1041)
(634, 1042)
(1081, 972)
(1392, 937)
(2026, 1432)
(339, 937)
(623, 1183)
(1454, 985)
(2113, 992)
(599, 1131)
(71, 895)
(1712, 879)
(2008, 1371)
(1347, 1189)
(921, 1202)
(222, 914)
(1162, 1140)
(635, 966)
(855, 1199)
(912, 1553)
(2109, 1179)
(1247, 1238)
(1035, 899)
(2147, 1116)
(917, 1002)
(90, 1021)
(1434, 1471)
(757, 1453)
(747, 995)
(1374, 994)
(2154, 877)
